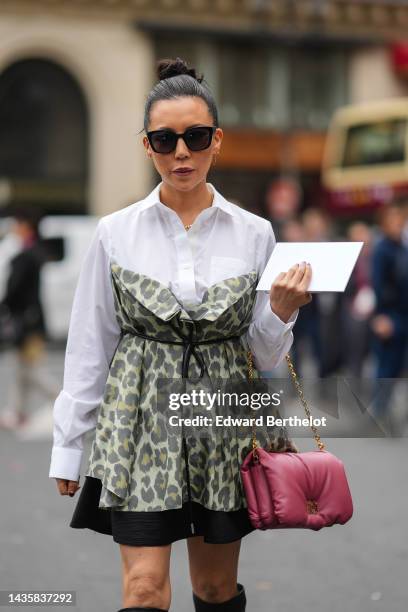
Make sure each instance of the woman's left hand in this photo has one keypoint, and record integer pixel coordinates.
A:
(289, 291)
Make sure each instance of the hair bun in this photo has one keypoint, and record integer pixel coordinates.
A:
(167, 68)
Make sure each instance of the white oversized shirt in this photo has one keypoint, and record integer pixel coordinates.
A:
(149, 237)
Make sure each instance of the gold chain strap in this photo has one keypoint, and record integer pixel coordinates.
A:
(251, 377)
(293, 374)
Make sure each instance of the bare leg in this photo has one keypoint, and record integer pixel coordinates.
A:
(146, 576)
(213, 569)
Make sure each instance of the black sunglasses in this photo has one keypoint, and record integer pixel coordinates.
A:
(196, 139)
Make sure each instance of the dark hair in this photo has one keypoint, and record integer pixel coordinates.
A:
(176, 80)
(30, 216)
(384, 211)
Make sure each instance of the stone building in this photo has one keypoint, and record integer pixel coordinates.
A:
(74, 75)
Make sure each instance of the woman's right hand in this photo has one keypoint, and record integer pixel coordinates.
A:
(67, 487)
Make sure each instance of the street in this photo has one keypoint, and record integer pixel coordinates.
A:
(359, 567)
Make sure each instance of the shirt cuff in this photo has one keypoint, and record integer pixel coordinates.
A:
(65, 463)
(271, 322)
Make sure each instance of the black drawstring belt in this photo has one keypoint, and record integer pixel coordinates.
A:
(189, 348)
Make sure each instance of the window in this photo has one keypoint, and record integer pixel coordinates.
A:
(242, 85)
(318, 85)
(382, 142)
(265, 85)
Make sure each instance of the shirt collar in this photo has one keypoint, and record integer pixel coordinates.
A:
(153, 198)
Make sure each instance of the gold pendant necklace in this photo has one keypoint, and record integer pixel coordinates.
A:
(187, 227)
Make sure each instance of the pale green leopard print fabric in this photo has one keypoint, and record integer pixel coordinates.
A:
(140, 464)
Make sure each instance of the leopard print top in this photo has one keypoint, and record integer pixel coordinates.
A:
(140, 465)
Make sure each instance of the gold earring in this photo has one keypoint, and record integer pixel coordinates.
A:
(214, 160)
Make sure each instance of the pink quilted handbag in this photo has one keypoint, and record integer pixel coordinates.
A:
(299, 490)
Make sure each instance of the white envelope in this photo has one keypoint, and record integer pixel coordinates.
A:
(332, 263)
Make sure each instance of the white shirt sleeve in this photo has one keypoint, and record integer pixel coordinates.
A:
(268, 337)
(92, 339)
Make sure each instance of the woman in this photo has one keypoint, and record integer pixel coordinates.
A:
(167, 290)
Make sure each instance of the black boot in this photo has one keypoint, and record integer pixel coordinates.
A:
(237, 603)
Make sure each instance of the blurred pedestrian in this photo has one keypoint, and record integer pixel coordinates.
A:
(359, 303)
(319, 320)
(307, 324)
(282, 203)
(404, 206)
(23, 305)
(293, 231)
(390, 321)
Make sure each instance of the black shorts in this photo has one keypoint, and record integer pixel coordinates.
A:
(157, 528)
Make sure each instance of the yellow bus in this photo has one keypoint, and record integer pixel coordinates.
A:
(365, 160)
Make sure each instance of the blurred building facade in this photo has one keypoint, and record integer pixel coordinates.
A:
(74, 75)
